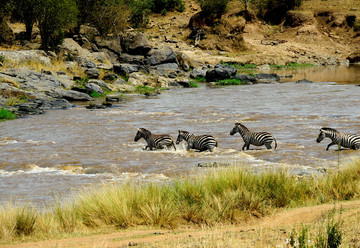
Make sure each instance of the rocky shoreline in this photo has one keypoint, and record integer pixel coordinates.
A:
(83, 73)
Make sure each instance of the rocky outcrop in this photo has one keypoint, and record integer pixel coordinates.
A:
(354, 57)
(220, 72)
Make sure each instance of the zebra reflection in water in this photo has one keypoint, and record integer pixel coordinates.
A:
(200, 142)
(154, 141)
(252, 138)
(346, 140)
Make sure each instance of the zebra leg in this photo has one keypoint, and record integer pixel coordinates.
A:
(268, 145)
(248, 146)
(243, 147)
(331, 144)
(146, 147)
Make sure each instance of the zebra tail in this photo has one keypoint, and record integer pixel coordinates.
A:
(275, 143)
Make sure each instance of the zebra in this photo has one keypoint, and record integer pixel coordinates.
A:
(351, 141)
(154, 141)
(200, 142)
(252, 138)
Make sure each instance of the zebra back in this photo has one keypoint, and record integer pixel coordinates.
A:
(198, 142)
(158, 141)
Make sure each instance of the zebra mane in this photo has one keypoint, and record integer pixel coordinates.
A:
(184, 132)
(328, 129)
(241, 125)
(145, 132)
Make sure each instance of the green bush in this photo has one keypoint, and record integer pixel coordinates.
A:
(6, 115)
(213, 7)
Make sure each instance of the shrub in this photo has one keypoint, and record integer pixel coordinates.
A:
(6, 115)
(213, 7)
(25, 221)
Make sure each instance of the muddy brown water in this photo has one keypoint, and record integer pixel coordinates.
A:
(56, 153)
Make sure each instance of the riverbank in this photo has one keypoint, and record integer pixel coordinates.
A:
(255, 204)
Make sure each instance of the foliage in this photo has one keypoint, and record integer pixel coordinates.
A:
(162, 6)
(27, 11)
(273, 11)
(227, 82)
(193, 84)
(2, 58)
(54, 17)
(143, 89)
(95, 94)
(6, 115)
(213, 7)
(25, 221)
(140, 11)
(82, 81)
(240, 66)
(108, 16)
(200, 79)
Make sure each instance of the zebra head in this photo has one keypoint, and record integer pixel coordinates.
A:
(239, 128)
(142, 133)
(182, 136)
(325, 132)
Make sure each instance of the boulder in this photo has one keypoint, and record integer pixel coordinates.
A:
(70, 95)
(110, 76)
(198, 73)
(354, 57)
(132, 59)
(110, 43)
(267, 78)
(246, 78)
(220, 72)
(94, 87)
(136, 44)
(304, 81)
(72, 47)
(92, 73)
(100, 83)
(124, 69)
(27, 56)
(161, 55)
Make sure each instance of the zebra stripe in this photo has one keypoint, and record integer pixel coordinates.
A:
(200, 142)
(252, 138)
(346, 140)
(154, 141)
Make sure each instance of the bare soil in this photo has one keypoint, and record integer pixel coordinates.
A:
(269, 231)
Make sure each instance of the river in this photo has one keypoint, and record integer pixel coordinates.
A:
(53, 154)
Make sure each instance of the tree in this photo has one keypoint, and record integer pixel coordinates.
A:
(213, 7)
(27, 11)
(54, 17)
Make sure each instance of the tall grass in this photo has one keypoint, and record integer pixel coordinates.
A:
(221, 195)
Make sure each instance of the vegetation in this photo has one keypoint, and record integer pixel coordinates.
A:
(223, 195)
(240, 66)
(6, 115)
(290, 65)
(213, 7)
(143, 89)
(227, 82)
(193, 84)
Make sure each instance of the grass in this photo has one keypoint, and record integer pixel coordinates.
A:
(227, 82)
(193, 84)
(6, 115)
(221, 196)
(143, 89)
(240, 66)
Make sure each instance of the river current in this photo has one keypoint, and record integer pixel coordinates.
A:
(61, 151)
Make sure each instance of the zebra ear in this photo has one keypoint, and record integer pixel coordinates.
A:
(179, 131)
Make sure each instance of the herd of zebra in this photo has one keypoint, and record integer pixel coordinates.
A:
(209, 143)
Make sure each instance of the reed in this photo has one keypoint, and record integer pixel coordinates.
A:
(224, 195)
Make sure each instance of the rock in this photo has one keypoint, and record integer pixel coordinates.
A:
(111, 43)
(354, 57)
(38, 106)
(98, 106)
(161, 55)
(72, 47)
(88, 31)
(70, 95)
(27, 56)
(167, 66)
(88, 64)
(113, 98)
(267, 78)
(92, 73)
(136, 44)
(110, 76)
(138, 79)
(220, 72)
(94, 87)
(132, 59)
(246, 78)
(198, 73)
(303, 81)
(100, 83)
(124, 69)
(82, 90)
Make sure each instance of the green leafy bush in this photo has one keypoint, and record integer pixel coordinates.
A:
(6, 115)
(226, 82)
(213, 7)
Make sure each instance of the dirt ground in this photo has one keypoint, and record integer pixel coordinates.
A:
(271, 231)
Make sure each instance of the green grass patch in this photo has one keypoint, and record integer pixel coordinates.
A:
(227, 82)
(293, 65)
(200, 79)
(82, 82)
(240, 66)
(96, 94)
(193, 84)
(143, 89)
(6, 115)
